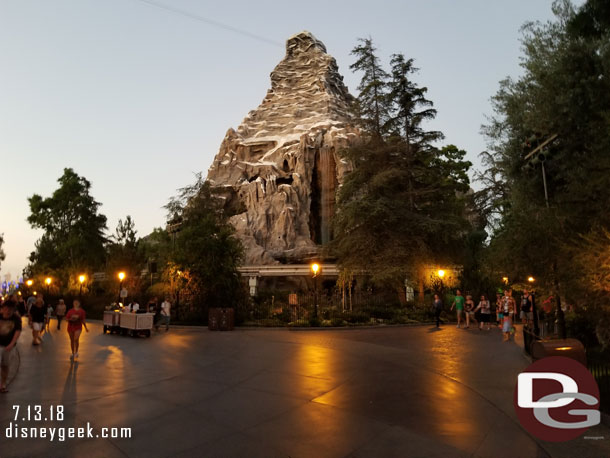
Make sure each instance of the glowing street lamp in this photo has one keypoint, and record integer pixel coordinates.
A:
(48, 282)
(81, 280)
(505, 280)
(441, 275)
(29, 282)
(121, 278)
(531, 279)
(315, 269)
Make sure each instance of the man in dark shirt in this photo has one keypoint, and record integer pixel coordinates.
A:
(37, 315)
(526, 315)
(10, 330)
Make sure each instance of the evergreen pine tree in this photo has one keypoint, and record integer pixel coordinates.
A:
(372, 104)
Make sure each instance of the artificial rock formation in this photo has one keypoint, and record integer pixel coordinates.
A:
(280, 170)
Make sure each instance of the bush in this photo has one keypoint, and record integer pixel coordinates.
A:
(581, 326)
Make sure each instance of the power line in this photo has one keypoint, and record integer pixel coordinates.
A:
(211, 22)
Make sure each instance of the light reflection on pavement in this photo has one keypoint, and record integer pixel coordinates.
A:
(400, 391)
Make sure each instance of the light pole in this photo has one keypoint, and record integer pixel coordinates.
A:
(81, 280)
(121, 278)
(531, 281)
(48, 282)
(179, 273)
(315, 268)
(539, 155)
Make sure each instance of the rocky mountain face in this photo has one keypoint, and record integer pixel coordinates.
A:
(278, 173)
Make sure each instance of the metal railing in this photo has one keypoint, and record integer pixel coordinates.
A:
(307, 309)
(601, 372)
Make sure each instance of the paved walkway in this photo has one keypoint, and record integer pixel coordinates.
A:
(404, 391)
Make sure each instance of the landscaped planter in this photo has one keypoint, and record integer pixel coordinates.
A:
(221, 319)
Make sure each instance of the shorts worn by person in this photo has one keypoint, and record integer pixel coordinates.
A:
(10, 330)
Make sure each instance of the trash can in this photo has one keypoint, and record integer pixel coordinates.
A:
(221, 319)
(570, 348)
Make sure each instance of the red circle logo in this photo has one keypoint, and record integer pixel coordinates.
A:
(557, 399)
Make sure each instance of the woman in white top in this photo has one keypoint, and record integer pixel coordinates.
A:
(164, 316)
(485, 308)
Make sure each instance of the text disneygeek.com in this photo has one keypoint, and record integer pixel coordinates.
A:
(21, 426)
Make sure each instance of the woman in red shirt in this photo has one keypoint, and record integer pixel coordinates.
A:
(76, 320)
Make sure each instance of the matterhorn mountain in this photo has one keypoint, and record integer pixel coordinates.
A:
(278, 173)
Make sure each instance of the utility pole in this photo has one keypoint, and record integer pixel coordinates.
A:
(538, 155)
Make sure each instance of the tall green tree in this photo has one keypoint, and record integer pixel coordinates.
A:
(403, 205)
(205, 248)
(372, 104)
(124, 254)
(562, 99)
(73, 229)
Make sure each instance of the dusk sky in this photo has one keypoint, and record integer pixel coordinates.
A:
(137, 98)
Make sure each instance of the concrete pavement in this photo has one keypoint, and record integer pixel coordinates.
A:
(405, 391)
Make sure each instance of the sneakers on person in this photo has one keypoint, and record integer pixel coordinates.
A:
(71, 357)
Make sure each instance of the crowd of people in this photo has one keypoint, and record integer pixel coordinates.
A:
(14, 309)
(482, 314)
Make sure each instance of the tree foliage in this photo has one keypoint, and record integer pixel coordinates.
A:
(564, 92)
(372, 103)
(73, 229)
(205, 247)
(403, 205)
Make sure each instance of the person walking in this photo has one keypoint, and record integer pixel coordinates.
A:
(438, 308)
(165, 314)
(21, 307)
(37, 317)
(30, 302)
(469, 310)
(153, 305)
(47, 318)
(76, 321)
(508, 309)
(10, 330)
(499, 310)
(484, 308)
(458, 303)
(526, 315)
(60, 312)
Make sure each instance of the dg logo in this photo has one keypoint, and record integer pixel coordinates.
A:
(557, 399)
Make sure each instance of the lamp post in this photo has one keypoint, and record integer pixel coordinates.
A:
(531, 281)
(539, 155)
(121, 276)
(48, 282)
(315, 268)
(81, 280)
(179, 273)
